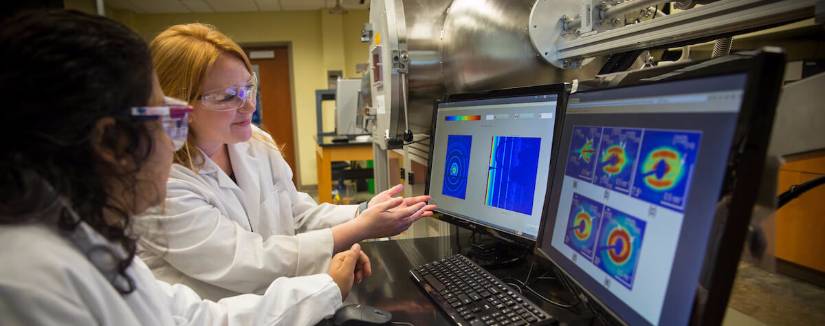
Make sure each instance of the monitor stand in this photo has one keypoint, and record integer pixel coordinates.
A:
(489, 252)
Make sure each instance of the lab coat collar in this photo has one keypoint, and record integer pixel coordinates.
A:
(211, 168)
(246, 168)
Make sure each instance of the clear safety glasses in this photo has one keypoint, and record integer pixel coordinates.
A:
(173, 116)
(230, 98)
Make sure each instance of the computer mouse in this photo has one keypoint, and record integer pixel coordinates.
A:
(358, 314)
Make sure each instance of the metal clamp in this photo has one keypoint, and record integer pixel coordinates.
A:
(400, 61)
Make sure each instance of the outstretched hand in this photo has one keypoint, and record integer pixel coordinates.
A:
(385, 216)
(389, 218)
(407, 202)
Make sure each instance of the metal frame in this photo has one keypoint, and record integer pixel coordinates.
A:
(705, 22)
(393, 48)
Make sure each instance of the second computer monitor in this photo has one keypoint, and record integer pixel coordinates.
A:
(490, 158)
(654, 185)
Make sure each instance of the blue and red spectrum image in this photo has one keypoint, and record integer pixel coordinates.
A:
(581, 159)
(617, 156)
(617, 249)
(457, 166)
(665, 167)
(583, 225)
(511, 176)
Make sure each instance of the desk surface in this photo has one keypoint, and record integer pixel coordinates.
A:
(392, 289)
(326, 141)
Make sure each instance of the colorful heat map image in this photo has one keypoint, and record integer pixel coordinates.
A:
(581, 158)
(511, 177)
(462, 117)
(617, 249)
(617, 153)
(583, 225)
(457, 166)
(665, 165)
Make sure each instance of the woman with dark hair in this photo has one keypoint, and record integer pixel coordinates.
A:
(87, 144)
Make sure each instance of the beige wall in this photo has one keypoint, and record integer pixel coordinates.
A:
(318, 42)
(355, 51)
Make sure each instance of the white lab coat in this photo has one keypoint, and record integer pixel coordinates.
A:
(223, 239)
(45, 280)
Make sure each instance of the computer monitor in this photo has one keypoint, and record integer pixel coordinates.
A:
(654, 185)
(490, 155)
(347, 93)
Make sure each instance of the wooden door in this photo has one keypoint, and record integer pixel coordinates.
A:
(276, 101)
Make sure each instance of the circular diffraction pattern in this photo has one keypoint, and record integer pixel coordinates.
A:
(614, 159)
(583, 225)
(662, 168)
(586, 151)
(618, 240)
(456, 174)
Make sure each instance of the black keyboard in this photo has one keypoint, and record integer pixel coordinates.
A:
(471, 295)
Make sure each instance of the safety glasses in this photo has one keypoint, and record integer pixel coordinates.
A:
(173, 116)
(230, 98)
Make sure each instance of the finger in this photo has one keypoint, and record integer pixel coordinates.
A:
(382, 195)
(350, 258)
(414, 200)
(407, 211)
(414, 217)
(422, 198)
(358, 255)
(386, 194)
(430, 207)
(423, 212)
(419, 213)
(387, 205)
(392, 192)
(428, 210)
(366, 266)
(337, 262)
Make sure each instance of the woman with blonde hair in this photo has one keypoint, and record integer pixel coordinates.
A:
(233, 220)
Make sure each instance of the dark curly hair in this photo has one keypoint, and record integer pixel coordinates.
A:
(60, 73)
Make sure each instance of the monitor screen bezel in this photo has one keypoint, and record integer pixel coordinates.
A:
(763, 71)
(561, 91)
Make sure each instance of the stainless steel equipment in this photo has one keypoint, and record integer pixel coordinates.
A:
(567, 32)
(422, 50)
(404, 54)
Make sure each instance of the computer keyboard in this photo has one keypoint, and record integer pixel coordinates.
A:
(471, 295)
